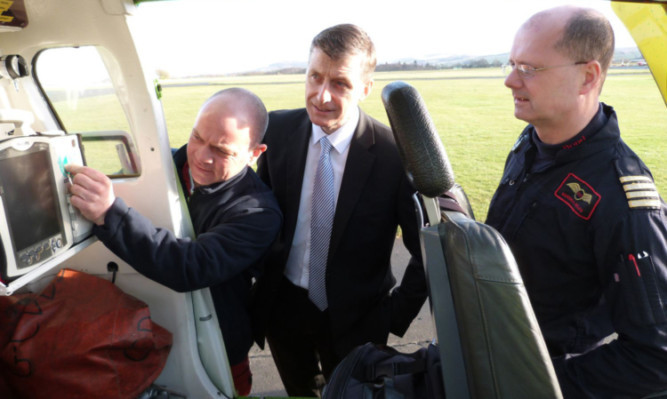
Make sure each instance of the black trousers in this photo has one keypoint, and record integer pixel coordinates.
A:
(299, 336)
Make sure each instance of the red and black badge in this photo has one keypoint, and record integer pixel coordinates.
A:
(578, 195)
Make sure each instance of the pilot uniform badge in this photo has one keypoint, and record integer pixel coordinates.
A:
(640, 192)
(639, 188)
(578, 195)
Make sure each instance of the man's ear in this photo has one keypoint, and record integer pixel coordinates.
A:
(256, 152)
(593, 78)
(367, 89)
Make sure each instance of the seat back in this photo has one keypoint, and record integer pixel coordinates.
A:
(504, 351)
(490, 343)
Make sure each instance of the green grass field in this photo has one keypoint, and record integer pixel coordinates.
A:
(471, 109)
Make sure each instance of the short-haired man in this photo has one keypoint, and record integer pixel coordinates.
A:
(235, 217)
(582, 215)
(338, 178)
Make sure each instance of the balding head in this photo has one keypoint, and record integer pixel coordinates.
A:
(226, 136)
(562, 56)
(584, 34)
(245, 105)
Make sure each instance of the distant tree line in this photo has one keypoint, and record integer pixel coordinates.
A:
(406, 66)
(386, 67)
(400, 66)
(417, 66)
(623, 58)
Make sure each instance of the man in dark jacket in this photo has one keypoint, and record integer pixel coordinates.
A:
(582, 215)
(329, 285)
(235, 217)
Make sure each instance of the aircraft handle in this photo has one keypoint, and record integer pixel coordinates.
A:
(419, 144)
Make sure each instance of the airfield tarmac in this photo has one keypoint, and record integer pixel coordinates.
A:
(266, 381)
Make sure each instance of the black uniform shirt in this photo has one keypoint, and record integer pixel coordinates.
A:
(588, 232)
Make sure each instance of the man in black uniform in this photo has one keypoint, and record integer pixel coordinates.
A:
(235, 216)
(582, 215)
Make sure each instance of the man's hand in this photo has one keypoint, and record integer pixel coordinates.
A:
(92, 192)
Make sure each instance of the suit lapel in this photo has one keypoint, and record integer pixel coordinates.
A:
(357, 170)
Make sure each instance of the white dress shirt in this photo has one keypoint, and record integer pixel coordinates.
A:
(297, 267)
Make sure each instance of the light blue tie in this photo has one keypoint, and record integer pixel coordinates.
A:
(320, 226)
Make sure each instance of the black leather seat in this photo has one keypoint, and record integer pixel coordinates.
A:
(490, 343)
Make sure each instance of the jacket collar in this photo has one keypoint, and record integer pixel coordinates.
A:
(589, 141)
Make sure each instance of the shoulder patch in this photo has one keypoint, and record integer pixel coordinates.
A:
(640, 192)
(578, 195)
(637, 183)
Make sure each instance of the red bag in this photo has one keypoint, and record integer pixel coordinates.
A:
(81, 337)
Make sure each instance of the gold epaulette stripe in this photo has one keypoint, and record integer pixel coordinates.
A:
(625, 179)
(644, 203)
(639, 186)
(642, 194)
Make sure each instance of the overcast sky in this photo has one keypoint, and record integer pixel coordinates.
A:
(190, 37)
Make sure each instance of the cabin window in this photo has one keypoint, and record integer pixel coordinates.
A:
(80, 90)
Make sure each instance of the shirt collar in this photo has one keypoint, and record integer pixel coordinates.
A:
(342, 137)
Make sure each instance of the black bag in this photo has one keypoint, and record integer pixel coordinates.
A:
(379, 372)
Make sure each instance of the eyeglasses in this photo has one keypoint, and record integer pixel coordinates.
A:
(527, 71)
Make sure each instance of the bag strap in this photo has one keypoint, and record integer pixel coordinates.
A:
(447, 201)
(392, 369)
(383, 390)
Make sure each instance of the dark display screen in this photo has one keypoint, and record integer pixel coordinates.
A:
(29, 196)
(12, 13)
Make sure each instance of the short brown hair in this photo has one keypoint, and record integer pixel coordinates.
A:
(588, 36)
(346, 39)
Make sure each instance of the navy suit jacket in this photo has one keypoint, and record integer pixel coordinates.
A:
(374, 199)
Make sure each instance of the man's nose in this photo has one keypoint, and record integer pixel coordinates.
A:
(325, 94)
(513, 79)
(205, 155)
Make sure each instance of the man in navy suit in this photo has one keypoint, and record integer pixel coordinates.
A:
(311, 326)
